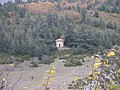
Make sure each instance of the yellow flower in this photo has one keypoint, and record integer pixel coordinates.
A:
(108, 55)
(106, 65)
(76, 78)
(112, 82)
(91, 77)
(106, 60)
(53, 67)
(52, 72)
(36, 84)
(119, 71)
(4, 79)
(12, 65)
(96, 78)
(114, 87)
(112, 53)
(96, 88)
(51, 79)
(96, 65)
(43, 84)
(97, 60)
(97, 73)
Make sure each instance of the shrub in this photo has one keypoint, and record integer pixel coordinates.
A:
(70, 86)
(70, 65)
(2, 55)
(18, 59)
(47, 61)
(6, 62)
(9, 62)
(34, 64)
(22, 58)
(96, 14)
(67, 64)
(78, 63)
(83, 60)
(2, 62)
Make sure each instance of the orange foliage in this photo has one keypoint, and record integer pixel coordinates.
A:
(45, 7)
(70, 14)
(67, 5)
(110, 16)
(38, 7)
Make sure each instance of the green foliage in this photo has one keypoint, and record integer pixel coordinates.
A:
(73, 63)
(83, 13)
(110, 6)
(58, 6)
(5, 59)
(107, 74)
(76, 85)
(22, 33)
(29, 1)
(22, 58)
(2, 55)
(46, 62)
(69, 65)
(111, 25)
(78, 8)
(18, 1)
(6, 62)
(96, 14)
(71, 1)
(10, 9)
(34, 64)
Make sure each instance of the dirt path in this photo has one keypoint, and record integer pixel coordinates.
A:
(64, 75)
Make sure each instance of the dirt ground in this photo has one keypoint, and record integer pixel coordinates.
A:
(32, 78)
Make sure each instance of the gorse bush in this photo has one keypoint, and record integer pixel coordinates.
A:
(104, 75)
(50, 78)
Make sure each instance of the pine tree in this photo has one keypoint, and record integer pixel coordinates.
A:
(78, 8)
(18, 1)
(96, 14)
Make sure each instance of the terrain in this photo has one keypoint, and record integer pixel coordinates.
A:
(29, 29)
(63, 76)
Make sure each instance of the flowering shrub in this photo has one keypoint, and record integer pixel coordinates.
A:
(49, 78)
(105, 74)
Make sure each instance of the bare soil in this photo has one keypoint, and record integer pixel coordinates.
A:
(32, 78)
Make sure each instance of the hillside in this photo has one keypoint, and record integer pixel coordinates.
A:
(32, 28)
(89, 30)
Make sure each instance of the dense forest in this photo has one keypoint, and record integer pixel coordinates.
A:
(31, 28)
